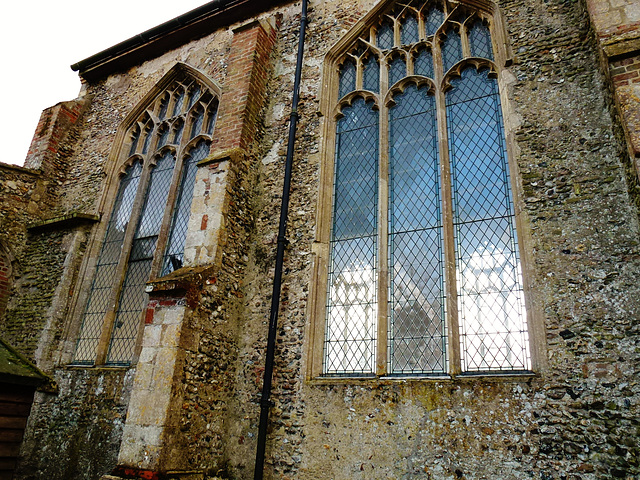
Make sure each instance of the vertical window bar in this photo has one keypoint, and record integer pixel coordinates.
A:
(493, 330)
(417, 333)
(102, 286)
(174, 255)
(133, 297)
(350, 341)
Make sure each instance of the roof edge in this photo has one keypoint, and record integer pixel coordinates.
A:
(189, 26)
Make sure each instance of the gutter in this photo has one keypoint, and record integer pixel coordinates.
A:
(265, 401)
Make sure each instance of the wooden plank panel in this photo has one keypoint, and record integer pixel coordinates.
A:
(12, 422)
(14, 409)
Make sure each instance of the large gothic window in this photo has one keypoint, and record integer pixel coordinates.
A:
(423, 272)
(145, 236)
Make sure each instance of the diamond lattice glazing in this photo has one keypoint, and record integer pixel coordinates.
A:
(417, 334)
(102, 287)
(352, 302)
(174, 255)
(492, 320)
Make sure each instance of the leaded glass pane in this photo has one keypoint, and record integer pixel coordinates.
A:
(397, 70)
(194, 94)
(371, 74)
(135, 138)
(480, 40)
(178, 102)
(211, 118)
(102, 286)
(196, 126)
(423, 63)
(156, 199)
(177, 132)
(347, 77)
(350, 342)
(417, 334)
(409, 30)
(133, 297)
(174, 255)
(493, 333)
(164, 105)
(385, 36)
(451, 49)
(433, 21)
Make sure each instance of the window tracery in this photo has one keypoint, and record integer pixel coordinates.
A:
(423, 271)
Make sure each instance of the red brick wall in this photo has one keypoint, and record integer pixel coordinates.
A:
(244, 92)
(49, 144)
(626, 71)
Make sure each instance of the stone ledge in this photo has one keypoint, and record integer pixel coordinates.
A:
(233, 154)
(182, 279)
(65, 221)
(617, 47)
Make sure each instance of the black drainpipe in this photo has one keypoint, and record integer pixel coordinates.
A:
(265, 402)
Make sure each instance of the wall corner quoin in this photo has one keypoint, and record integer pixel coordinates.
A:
(617, 30)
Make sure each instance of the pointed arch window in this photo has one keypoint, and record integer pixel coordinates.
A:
(423, 267)
(146, 232)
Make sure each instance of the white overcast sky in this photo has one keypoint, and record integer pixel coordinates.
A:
(40, 39)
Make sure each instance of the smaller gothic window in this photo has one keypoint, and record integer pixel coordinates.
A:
(177, 131)
(178, 97)
(397, 69)
(164, 106)
(147, 228)
(135, 137)
(434, 19)
(196, 122)
(423, 63)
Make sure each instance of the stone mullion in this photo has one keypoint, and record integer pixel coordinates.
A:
(464, 37)
(383, 241)
(121, 269)
(448, 231)
(383, 221)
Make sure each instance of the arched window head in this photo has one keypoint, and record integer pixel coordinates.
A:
(145, 235)
(423, 270)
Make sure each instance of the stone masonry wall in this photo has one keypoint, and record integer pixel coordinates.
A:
(76, 433)
(577, 418)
